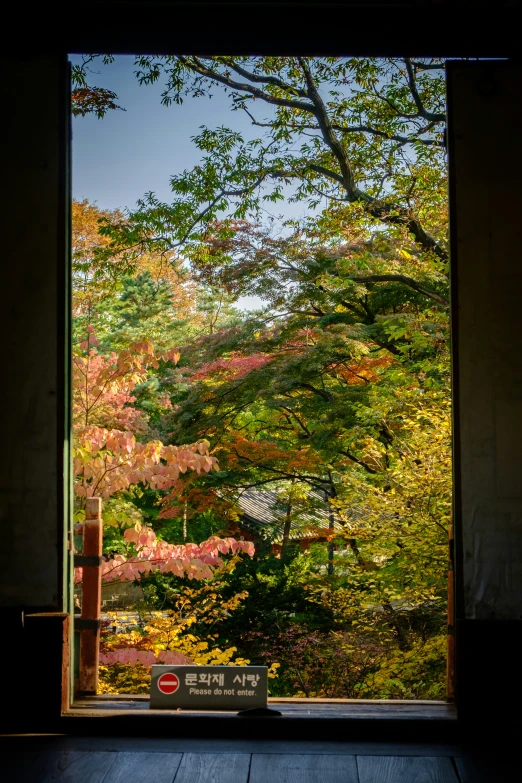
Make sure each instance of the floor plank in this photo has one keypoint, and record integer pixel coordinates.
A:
(286, 768)
(16, 765)
(213, 768)
(69, 766)
(405, 769)
(207, 745)
(144, 768)
(501, 767)
(465, 769)
(467, 773)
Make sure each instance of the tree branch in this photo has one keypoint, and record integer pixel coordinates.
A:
(387, 213)
(326, 172)
(428, 66)
(273, 80)
(416, 97)
(328, 396)
(409, 281)
(298, 420)
(391, 214)
(199, 67)
(321, 114)
(358, 461)
(400, 113)
(354, 129)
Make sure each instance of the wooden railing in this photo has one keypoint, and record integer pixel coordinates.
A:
(88, 623)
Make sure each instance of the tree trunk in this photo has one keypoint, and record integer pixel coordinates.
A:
(331, 493)
(286, 531)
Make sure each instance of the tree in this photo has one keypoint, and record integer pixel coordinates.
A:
(108, 289)
(87, 99)
(91, 279)
(340, 382)
(365, 136)
(294, 378)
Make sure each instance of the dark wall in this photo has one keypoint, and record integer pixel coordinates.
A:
(33, 332)
(485, 129)
(486, 169)
(357, 28)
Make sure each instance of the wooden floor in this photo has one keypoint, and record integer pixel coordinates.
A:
(42, 759)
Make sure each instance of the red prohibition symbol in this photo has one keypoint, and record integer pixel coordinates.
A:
(168, 683)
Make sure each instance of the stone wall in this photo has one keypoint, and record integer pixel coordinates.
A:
(115, 595)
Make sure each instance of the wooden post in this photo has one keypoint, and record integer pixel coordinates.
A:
(450, 679)
(91, 597)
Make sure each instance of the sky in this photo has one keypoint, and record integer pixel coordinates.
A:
(128, 153)
(117, 159)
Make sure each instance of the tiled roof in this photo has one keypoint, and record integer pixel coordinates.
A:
(264, 512)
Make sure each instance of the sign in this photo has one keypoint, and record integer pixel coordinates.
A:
(208, 687)
(168, 683)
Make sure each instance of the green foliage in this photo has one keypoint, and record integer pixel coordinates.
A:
(338, 384)
(144, 309)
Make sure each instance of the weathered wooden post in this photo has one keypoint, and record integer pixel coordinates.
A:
(450, 680)
(89, 623)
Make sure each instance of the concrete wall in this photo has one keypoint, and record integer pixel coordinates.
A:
(32, 332)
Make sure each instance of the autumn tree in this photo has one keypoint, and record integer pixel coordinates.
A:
(340, 381)
(109, 459)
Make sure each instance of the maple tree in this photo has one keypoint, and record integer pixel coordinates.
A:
(149, 553)
(108, 459)
(89, 99)
(170, 637)
(337, 384)
(355, 401)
